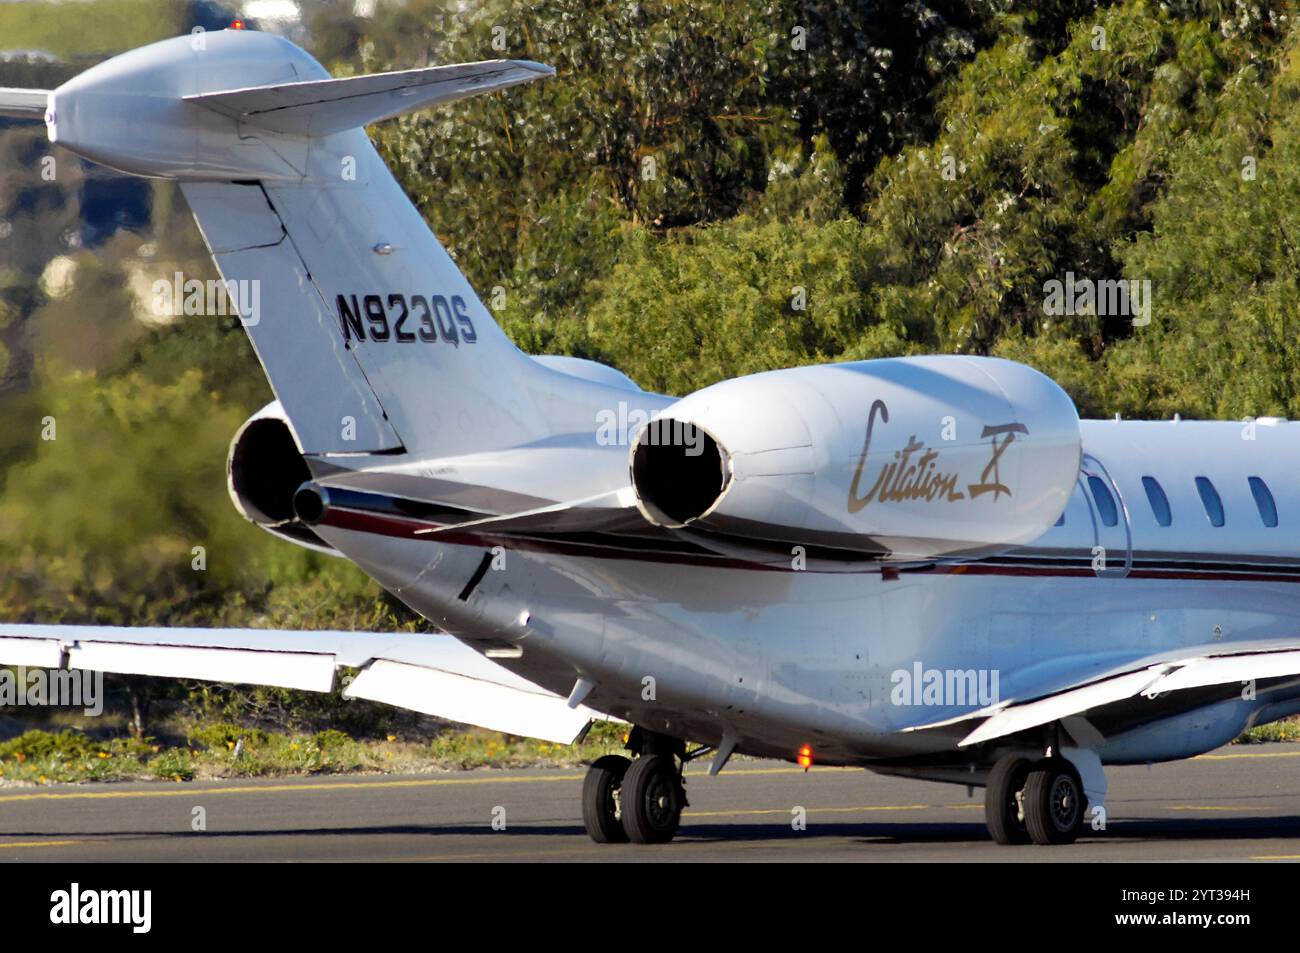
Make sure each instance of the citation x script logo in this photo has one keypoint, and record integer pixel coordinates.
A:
(916, 473)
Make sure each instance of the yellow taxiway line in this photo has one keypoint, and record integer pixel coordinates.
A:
(1247, 754)
(1209, 807)
(188, 790)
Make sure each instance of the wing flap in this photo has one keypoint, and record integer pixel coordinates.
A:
(1054, 707)
(460, 698)
(32, 652)
(312, 673)
(1151, 678)
(434, 674)
(1227, 668)
(323, 107)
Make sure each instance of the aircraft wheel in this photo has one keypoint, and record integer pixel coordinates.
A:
(1004, 805)
(601, 814)
(1054, 802)
(652, 799)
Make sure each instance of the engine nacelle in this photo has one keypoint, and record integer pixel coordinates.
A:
(264, 471)
(901, 459)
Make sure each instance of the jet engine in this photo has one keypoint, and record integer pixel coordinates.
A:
(902, 459)
(264, 470)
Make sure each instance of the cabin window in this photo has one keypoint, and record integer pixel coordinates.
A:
(1060, 520)
(1159, 502)
(1210, 499)
(1264, 501)
(1106, 508)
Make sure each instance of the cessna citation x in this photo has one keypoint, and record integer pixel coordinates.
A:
(924, 566)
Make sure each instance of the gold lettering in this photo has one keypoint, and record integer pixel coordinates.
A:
(914, 474)
(856, 502)
(990, 479)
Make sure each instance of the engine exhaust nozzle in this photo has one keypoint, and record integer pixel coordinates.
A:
(311, 503)
(679, 472)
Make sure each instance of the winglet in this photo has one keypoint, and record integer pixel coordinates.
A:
(323, 107)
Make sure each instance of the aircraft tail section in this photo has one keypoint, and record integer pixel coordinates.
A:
(371, 337)
(316, 377)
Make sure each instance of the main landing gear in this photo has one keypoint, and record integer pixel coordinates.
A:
(636, 800)
(1039, 801)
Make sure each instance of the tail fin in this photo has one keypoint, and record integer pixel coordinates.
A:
(371, 338)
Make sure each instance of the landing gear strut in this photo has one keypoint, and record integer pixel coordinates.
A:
(639, 801)
(1040, 801)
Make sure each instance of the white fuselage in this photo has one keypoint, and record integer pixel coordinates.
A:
(698, 644)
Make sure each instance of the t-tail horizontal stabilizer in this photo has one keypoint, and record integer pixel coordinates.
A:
(326, 106)
(23, 103)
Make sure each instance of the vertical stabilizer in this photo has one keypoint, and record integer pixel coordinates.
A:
(370, 335)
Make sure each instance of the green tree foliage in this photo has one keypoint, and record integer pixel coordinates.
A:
(87, 522)
(792, 277)
(1224, 256)
(662, 115)
(655, 117)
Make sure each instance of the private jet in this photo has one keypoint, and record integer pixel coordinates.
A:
(922, 566)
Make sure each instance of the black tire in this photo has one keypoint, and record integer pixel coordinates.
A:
(1055, 804)
(1004, 810)
(652, 800)
(600, 799)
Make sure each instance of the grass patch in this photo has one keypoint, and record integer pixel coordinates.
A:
(229, 751)
(1287, 730)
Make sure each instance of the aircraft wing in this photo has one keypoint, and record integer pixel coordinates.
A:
(1125, 693)
(433, 674)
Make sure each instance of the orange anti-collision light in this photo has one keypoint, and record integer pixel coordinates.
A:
(805, 758)
(237, 25)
